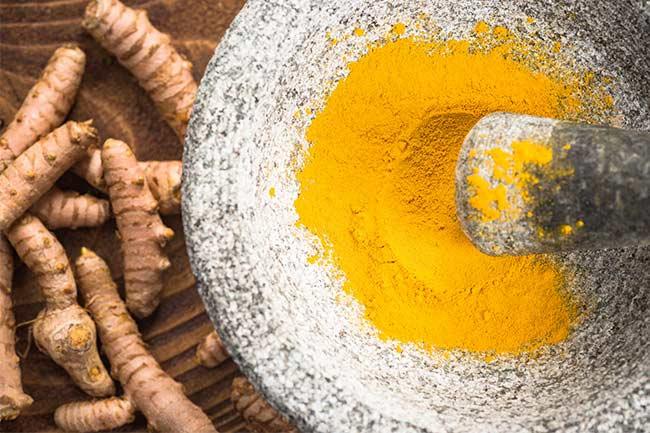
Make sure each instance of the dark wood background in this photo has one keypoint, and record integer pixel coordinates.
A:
(29, 32)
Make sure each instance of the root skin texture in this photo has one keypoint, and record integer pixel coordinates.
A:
(142, 232)
(91, 169)
(163, 179)
(12, 398)
(46, 104)
(62, 329)
(211, 351)
(259, 415)
(154, 393)
(93, 416)
(148, 54)
(34, 172)
(68, 209)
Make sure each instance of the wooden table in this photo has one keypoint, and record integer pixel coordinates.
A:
(29, 32)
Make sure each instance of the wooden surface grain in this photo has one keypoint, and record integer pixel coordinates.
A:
(29, 32)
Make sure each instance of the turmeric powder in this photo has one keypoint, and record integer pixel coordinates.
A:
(377, 189)
(507, 168)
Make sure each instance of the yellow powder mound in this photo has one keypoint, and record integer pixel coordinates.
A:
(377, 188)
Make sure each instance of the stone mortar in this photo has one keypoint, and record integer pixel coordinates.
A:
(287, 323)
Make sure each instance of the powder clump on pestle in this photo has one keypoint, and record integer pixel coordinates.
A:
(509, 169)
(377, 188)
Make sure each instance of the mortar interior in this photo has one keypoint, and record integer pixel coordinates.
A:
(288, 323)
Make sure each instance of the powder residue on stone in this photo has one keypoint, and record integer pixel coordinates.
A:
(504, 180)
(377, 188)
(399, 29)
(509, 169)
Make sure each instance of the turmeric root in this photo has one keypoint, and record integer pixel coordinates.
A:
(91, 169)
(62, 329)
(211, 351)
(34, 172)
(148, 54)
(146, 385)
(259, 415)
(142, 232)
(163, 178)
(12, 398)
(46, 104)
(68, 209)
(92, 416)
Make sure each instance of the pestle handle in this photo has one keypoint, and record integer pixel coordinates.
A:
(535, 185)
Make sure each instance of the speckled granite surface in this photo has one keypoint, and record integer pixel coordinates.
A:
(312, 355)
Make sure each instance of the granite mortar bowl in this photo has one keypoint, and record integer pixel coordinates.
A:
(288, 324)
